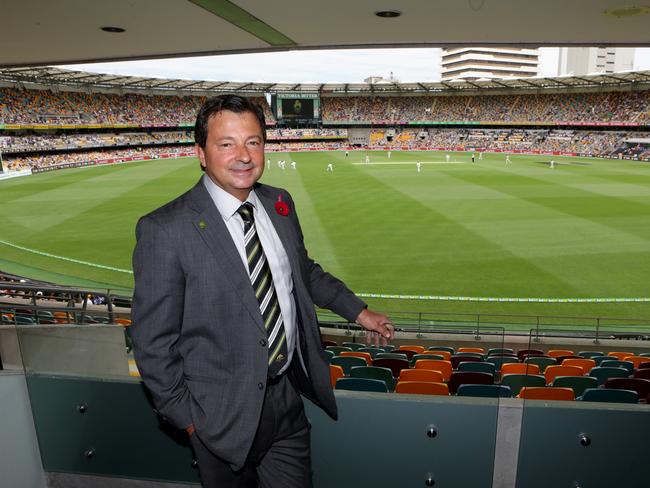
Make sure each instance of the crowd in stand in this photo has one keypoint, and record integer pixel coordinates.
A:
(44, 107)
(31, 147)
(43, 161)
(28, 143)
(624, 107)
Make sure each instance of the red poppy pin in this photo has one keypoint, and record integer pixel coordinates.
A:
(281, 207)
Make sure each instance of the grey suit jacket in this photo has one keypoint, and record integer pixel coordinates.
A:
(198, 336)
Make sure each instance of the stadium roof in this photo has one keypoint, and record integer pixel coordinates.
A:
(41, 32)
(57, 77)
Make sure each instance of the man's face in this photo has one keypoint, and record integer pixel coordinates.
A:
(233, 156)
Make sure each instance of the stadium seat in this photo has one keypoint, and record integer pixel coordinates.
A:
(361, 384)
(357, 354)
(373, 351)
(602, 374)
(395, 365)
(590, 354)
(546, 393)
(427, 375)
(600, 359)
(328, 343)
(577, 383)
(348, 362)
(645, 365)
(391, 355)
(336, 372)
(482, 367)
(468, 378)
(421, 388)
(470, 354)
(620, 355)
(642, 373)
(374, 373)
(561, 359)
(609, 395)
(355, 346)
(457, 359)
(487, 391)
(584, 363)
(415, 349)
(645, 354)
(445, 354)
(448, 349)
(517, 381)
(329, 355)
(125, 322)
(615, 363)
(388, 347)
(478, 350)
(542, 362)
(417, 357)
(519, 368)
(640, 385)
(523, 353)
(555, 353)
(435, 364)
(551, 372)
(500, 361)
(337, 349)
(500, 350)
(635, 360)
(406, 352)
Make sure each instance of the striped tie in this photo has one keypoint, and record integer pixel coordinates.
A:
(262, 281)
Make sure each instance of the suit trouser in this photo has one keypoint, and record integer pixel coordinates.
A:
(280, 456)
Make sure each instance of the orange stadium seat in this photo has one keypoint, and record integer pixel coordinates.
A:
(556, 353)
(421, 388)
(585, 364)
(552, 372)
(436, 365)
(357, 354)
(636, 360)
(478, 350)
(519, 368)
(428, 375)
(336, 372)
(620, 355)
(445, 354)
(546, 393)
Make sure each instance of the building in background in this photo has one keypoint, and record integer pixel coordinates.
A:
(586, 60)
(472, 63)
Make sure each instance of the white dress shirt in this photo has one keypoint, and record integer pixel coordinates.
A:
(276, 256)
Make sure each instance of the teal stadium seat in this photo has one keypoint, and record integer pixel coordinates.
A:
(337, 349)
(348, 362)
(602, 374)
(374, 373)
(481, 367)
(517, 381)
(486, 391)
(578, 383)
(361, 384)
(609, 396)
(355, 346)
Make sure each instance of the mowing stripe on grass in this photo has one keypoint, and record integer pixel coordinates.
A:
(63, 258)
(375, 295)
(501, 299)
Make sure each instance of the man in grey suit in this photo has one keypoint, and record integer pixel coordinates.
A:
(224, 328)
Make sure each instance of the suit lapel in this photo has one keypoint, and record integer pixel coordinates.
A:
(285, 231)
(210, 226)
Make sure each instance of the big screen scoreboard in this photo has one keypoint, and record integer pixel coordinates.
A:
(298, 108)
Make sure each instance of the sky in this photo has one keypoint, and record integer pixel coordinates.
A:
(323, 66)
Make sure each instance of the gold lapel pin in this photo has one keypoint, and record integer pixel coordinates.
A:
(202, 224)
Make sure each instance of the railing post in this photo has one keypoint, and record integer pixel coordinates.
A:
(478, 327)
(419, 335)
(536, 338)
(597, 340)
(109, 305)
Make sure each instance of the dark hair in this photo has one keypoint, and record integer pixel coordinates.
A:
(232, 103)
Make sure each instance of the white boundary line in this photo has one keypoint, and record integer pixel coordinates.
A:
(412, 163)
(63, 258)
(374, 295)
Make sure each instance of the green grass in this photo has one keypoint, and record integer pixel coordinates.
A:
(482, 230)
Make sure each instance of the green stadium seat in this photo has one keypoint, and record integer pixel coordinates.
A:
(361, 384)
(348, 362)
(517, 381)
(578, 383)
(486, 391)
(375, 373)
(329, 355)
(449, 349)
(337, 349)
(629, 365)
(373, 351)
(499, 361)
(609, 396)
(425, 356)
(500, 350)
(602, 374)
(355, 346)
(482, 367)
(391, 355)
(590, 354)
(542, 362)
